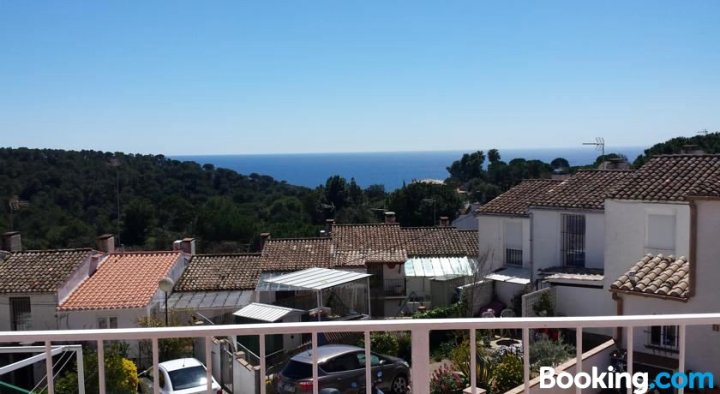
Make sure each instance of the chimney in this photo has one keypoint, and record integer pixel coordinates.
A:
(11, 241)
(188, 246)
(106, 243)
(692, 149)
(177, 245)
(94, 262)
(389, 217)
(264, 237)
(444, 221)
(328, 226)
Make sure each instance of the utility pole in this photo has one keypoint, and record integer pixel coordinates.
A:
(115, 162)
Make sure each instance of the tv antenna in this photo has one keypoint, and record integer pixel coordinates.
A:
(599, 144)
(704, 132)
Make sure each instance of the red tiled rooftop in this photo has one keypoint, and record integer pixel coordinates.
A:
(123, 280)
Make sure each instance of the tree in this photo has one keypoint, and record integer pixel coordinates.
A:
(470, 166)
(420, 204)
(336, 192)
(559, 163)
(120, 373)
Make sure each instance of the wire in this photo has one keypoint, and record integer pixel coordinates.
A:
(55, 374)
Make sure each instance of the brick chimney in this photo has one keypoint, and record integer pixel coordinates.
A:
(106, 243)
(444, 221)
(11, 241)
(328, 226)
(188, 246)
(389, 217)
(264, 237)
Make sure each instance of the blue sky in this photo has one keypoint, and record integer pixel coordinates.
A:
(339, 76)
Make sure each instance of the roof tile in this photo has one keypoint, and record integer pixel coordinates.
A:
(39, 271)
(123, 280)
(294, 254)
(657, 275)
(220, 273)
(587, 189)
(672, 178)
(515, 201)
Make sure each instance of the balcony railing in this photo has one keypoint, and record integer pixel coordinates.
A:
(419, 329)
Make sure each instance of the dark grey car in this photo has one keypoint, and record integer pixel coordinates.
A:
(342, 367)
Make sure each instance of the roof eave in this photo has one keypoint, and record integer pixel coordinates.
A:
(650, 295)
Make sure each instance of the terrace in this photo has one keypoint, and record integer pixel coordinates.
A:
(419, 329)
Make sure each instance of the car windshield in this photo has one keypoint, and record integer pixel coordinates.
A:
(297, 370)
(188, 377)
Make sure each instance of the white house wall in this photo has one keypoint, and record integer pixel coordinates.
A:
(582, 301)
(626, 235)
(42, 311)
(547, 238)
(700, 356)
(83, 320)
(492, 244)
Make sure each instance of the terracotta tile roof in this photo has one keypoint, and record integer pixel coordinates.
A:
(39, 271)
(294, 254)
(440, 241)
(220, 272)
(367, 237)
(515, 201)
(587, 189)
(657, 275)
(673, 178)
(123, 280)
(356, 258)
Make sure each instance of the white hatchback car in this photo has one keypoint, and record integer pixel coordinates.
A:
(181, 376)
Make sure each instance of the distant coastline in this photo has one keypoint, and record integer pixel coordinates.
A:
(390, 169)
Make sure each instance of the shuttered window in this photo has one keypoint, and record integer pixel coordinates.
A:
(512, 238)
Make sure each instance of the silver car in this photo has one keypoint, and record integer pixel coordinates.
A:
(342, 367)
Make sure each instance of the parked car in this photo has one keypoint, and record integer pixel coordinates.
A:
(342, 367)
(181, 376)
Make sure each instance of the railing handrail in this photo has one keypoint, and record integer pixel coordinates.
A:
(361, 326)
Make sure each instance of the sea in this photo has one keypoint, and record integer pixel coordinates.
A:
(391, 169)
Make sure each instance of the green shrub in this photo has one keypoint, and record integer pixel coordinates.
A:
(484, 366)
(508, 373)
(385, 343)
(548, 353)
(120, 373)
(446, 381)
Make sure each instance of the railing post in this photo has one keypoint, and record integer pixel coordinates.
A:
(101, 366)
(526, 358)
(314, 347)
(473, 361)
(578, 355)
(263, 365)
(420, 361)
(49, 367)
(80, 370)
(156, 370)
(208, 363)
(368, 366)
(681, 355)
(630, 354)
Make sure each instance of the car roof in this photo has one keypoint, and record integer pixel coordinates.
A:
(325, 352)
(180, 363)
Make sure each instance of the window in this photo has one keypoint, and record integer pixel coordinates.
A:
(20, 316)
(660, 233)
(345, 362)
(573, 240)
(512, 239)
(107, 322)
(374, 359)
(664, 337)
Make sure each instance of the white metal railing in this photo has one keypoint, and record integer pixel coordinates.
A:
(419, 329)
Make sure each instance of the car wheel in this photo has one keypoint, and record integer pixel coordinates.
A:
(399, 385)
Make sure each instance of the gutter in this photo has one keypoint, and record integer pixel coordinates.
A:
(532, 268)
(619, 310)
(693, 247)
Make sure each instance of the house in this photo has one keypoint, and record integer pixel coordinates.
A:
(213, 287)
(661, 256)
(392, 254)
(123, 289)
(33, 282)
(549, 231)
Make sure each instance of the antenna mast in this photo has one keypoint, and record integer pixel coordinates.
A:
(599, 144)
